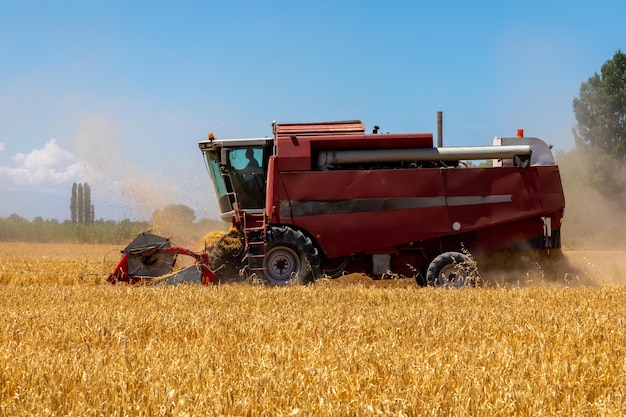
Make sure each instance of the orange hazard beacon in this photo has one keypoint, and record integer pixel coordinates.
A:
(325, 199)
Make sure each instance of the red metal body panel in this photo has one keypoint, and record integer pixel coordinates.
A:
(378, 141)
(295, 152)
(335, 128)
(375, 211)
(364, 211)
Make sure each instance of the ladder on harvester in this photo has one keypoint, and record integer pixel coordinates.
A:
(255, 233)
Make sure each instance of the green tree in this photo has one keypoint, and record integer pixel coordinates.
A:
(80, 204)
(74, 204)
(600, 111)
(81, 208)
(88, 215)
(175, 221)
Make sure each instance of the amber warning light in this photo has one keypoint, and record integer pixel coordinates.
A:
(211, 136)
(520, 133)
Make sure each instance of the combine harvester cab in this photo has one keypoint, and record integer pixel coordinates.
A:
(325, 199)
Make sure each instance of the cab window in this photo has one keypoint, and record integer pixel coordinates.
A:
(248, 176)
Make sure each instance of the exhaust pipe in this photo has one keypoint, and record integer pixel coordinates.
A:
(440, 129)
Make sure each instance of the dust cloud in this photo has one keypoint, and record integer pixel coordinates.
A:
(133, 184)
(594, 231)
(593, 234)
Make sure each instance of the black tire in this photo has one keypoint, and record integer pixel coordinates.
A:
(452, 269)
(335, 268)
(291, 257)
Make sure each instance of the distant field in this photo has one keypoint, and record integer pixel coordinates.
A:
(72, 346)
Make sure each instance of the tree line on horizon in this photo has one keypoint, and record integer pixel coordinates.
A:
(175, 221)
(18, 229)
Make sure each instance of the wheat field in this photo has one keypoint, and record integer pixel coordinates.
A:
(72, 346)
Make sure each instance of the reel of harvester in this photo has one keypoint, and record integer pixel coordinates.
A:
(151, 259)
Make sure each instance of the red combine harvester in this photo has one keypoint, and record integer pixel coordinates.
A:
(324, 199)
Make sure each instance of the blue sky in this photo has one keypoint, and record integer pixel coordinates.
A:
(118, 93)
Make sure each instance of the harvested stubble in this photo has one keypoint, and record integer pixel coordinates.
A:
(85, 349)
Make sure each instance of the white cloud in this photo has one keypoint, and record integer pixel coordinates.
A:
(48, 166)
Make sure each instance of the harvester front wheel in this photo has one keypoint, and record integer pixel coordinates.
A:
(452, 269)
(291, 257)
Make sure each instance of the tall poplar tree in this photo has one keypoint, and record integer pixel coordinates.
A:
(74, 204)
(86, 204)
(81, 208)
(80, 205)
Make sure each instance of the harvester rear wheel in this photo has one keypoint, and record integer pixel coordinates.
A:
(291, 257)
(452, 269)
